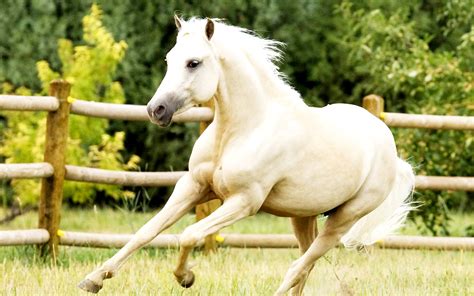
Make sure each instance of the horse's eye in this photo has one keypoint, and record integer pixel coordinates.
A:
(193, 64)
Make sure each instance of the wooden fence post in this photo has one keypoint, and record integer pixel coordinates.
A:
(374, 104)
(54, 153)
(203, 210)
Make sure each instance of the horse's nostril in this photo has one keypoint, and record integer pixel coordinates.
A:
(159, 110)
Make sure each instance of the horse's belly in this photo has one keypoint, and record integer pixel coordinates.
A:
(309, 197)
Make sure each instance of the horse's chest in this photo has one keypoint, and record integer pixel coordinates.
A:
(236, 165)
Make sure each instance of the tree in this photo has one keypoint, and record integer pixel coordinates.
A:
(90, 69)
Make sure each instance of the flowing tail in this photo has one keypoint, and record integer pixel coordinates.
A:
(388, 216)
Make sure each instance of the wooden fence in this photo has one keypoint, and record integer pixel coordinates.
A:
(54, 171)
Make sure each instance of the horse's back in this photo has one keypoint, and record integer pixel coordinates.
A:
(345, 122)
(353, 117)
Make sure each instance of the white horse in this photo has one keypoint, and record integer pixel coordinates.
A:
(266, 150)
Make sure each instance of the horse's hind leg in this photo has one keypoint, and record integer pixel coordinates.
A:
(305, 230)
(336, 226)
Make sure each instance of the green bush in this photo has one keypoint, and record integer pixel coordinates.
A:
(89, 68)
(396, 62)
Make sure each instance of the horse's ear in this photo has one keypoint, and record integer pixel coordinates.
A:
(177, 22)
(209, 28)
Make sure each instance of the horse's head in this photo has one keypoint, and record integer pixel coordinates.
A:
(192, 75)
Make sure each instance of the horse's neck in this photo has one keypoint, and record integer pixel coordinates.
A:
(244, 98)
(240, 102)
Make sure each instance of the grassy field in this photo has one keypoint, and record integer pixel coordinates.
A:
(232, 271)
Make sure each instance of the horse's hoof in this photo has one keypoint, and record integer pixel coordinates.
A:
(89, 286)
(188, 280)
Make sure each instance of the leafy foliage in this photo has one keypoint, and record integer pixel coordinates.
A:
(89, 68)
(398, 63)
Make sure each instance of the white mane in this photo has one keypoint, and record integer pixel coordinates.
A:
(263, 53)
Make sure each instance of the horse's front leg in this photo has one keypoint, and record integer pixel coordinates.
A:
(234, 208)
(185, 196)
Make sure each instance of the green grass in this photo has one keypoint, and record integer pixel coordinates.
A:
(230, 271)
(121, 221)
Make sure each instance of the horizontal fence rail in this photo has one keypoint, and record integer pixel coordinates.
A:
(109, 110)
(134, 112)
(157, 179)
(138, 113)
(428, 121)
(427, 242)
(201, 114)
(105, 240)
(444, 183)
(391, 242)
(26, 170)
(23, 237)
(28, 103)
(108, 240)
(375, 105)
(98, 109)
(84, 174)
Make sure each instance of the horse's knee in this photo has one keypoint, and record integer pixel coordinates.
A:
(297, 290)
(144, 236)
(297, 270)
(293, 276)
(190, 237)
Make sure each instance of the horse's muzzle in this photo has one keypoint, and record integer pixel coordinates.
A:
(161, 113)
